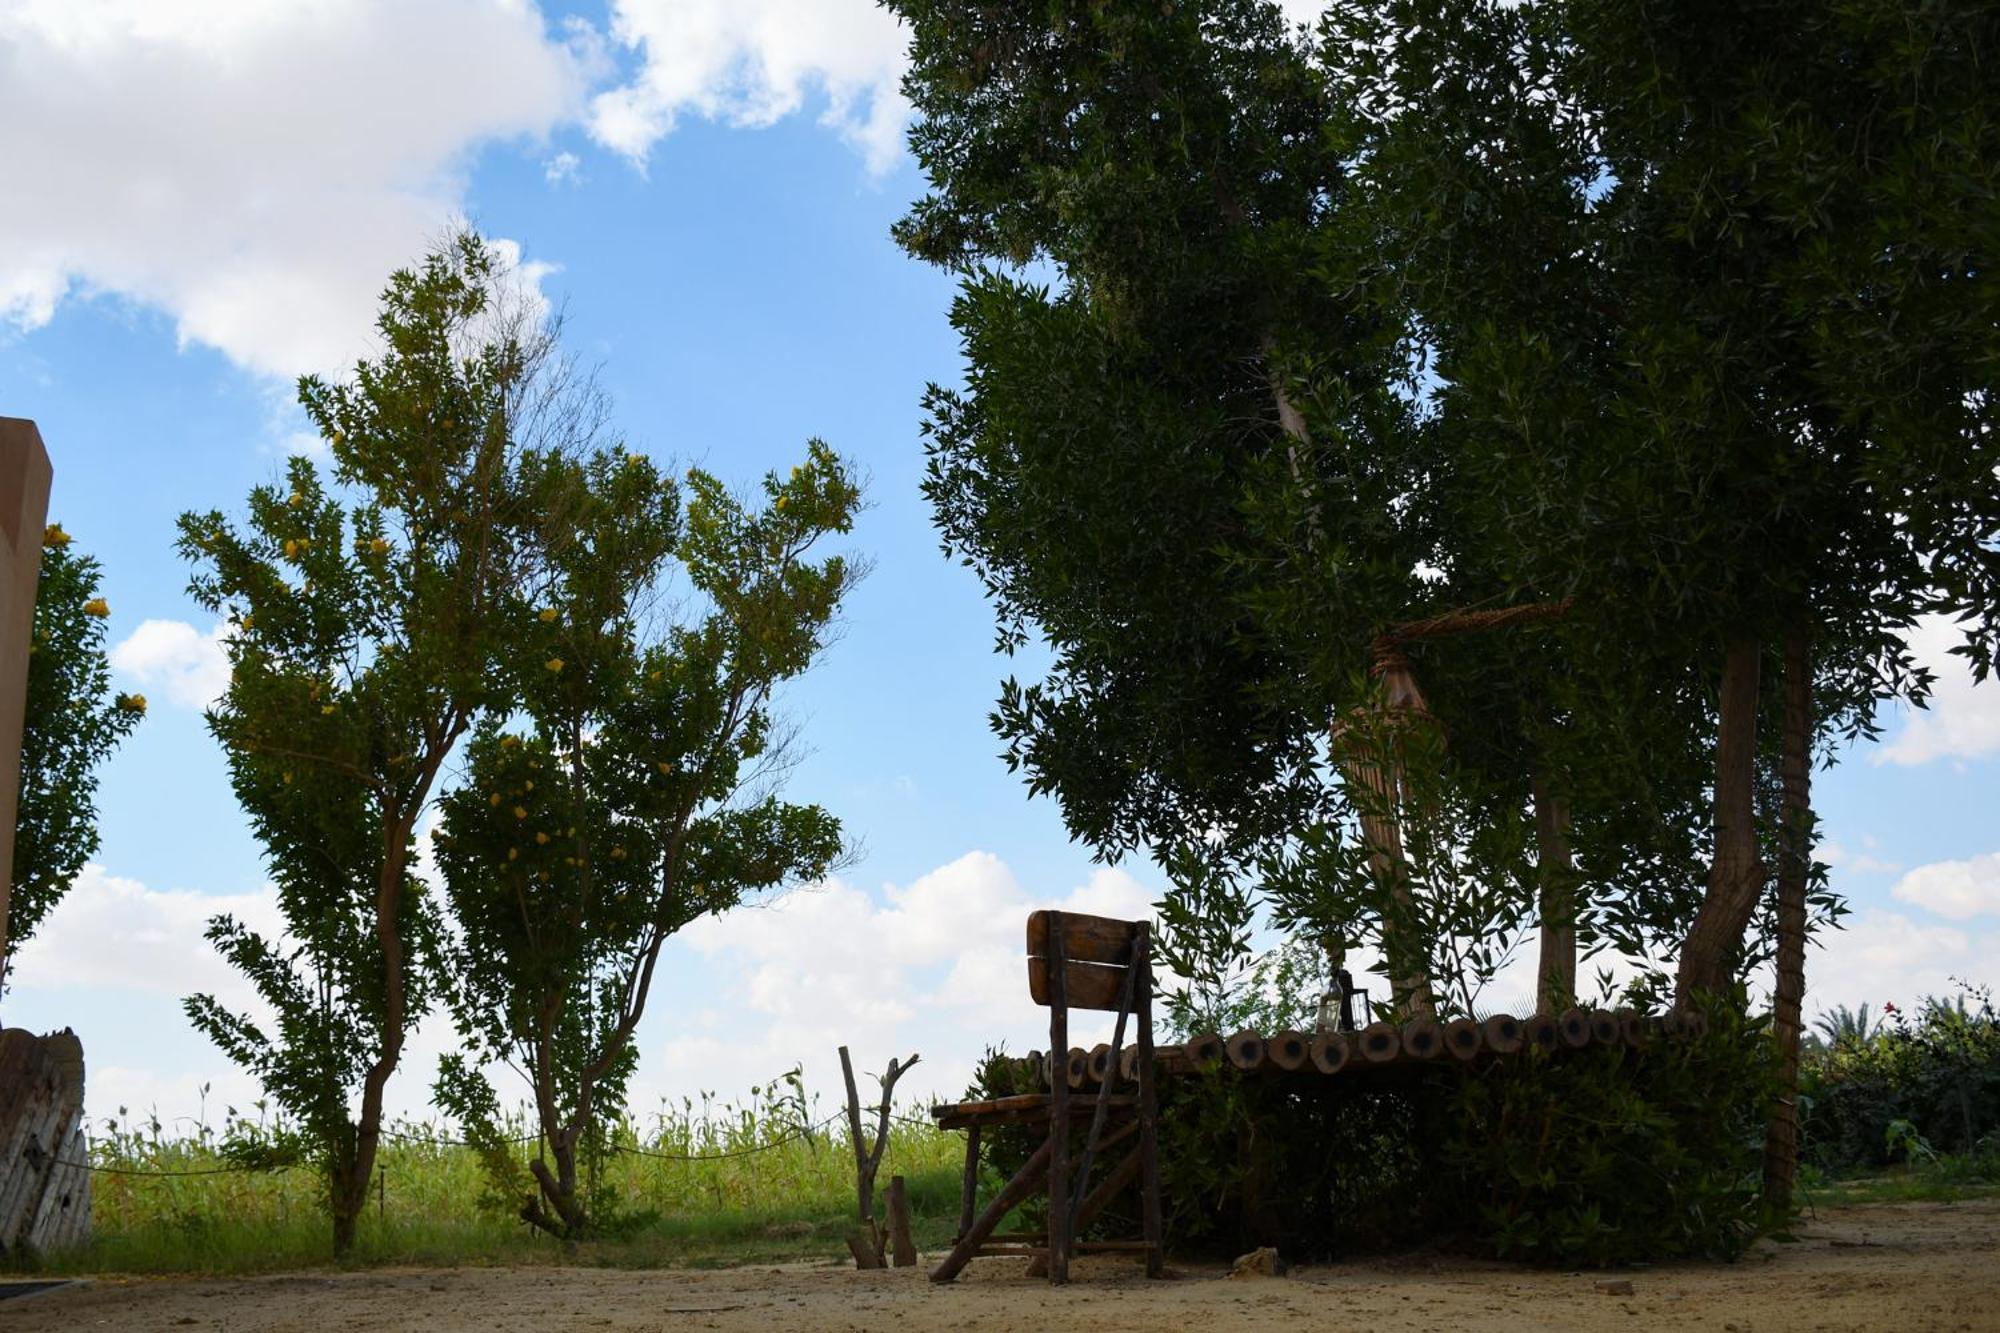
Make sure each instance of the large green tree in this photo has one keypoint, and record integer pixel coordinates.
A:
(72, 723)
(371, 624)
(1131, 192)
(630, 794)
(1708, 292)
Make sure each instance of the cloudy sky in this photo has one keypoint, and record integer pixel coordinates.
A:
(203, 198)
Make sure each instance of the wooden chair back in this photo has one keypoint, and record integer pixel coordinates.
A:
(1084, 965)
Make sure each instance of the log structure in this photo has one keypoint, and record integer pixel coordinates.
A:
(44, 1177)
(1381, 1046)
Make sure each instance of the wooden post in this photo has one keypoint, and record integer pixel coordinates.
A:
(1059, 1213)
(969, 1192)
(24, 513)
(1153, 1226)
(900, 1243)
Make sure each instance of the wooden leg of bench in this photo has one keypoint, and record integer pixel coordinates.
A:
(968, 1192)
(1032, 1176)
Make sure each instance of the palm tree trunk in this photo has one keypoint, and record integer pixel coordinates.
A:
(1795, 821)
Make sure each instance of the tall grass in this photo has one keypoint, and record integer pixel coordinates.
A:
(760, 1191)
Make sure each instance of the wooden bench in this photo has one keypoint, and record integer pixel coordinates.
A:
(1074, 962)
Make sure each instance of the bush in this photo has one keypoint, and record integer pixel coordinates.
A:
(1909, 1088)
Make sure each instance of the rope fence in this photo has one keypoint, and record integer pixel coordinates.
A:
(802, 1132)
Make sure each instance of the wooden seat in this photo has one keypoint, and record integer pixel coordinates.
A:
(1074, 962)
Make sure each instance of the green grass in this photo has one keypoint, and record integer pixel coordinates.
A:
(1942, 1178)
(793, 1200)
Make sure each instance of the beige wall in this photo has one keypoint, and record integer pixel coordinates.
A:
(24, 509)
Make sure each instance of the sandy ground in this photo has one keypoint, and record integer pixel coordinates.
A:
(1883, 1267)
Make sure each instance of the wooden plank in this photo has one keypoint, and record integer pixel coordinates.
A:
(1088, 985)
(1502, 1033)
(1152, 1224)
(1331, 1051)
(1462, 1038)
(1380, 1043)
(1245, 1050)
(1289, 1050)
(1086, 939)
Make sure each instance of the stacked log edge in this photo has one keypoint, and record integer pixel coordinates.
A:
(44, 1182)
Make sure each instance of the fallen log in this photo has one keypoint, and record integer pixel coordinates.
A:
(1632, 1027)
(1330, 1052)
(1245, 1050)
(1604, 1028)
(1380, 1043)
(1288, 1050)
(1573, 1025)
(1100, 1062)
(1462, 1039)
(1502, 1033)
(1205, 1049)
(1540, 1031)
(1422, 1039)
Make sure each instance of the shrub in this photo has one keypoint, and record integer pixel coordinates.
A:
(1936, 1077)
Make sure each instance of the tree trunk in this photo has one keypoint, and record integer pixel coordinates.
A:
(1555, 977)
(1795, 822)
(1735, 877)
(1378, 789)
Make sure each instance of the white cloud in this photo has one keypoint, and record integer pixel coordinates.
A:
(116, 934)
(564, 168)
(254, 170)
(1963, 719)
(175, 657)
(753, 62)
(1889, 956)
(1836, 856)
(1959, 890)
(936, 967)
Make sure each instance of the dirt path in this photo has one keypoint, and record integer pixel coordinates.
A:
(1883, 1267)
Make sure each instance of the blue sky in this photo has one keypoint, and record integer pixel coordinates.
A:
(200, 210)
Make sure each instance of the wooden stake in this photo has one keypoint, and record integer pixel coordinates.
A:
(901, 1245)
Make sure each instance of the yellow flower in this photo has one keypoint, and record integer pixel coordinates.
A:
(98, 607)
(292, 548)
(53, 535)
(509, 742)
(295, 499)
(339, 435)
(635, 459)
(519, 813)
(666, 768)
(379, 546)
(548, 614)
(656, 677)
(513, 853)
(133, 703)
(288, 777)
(554, 664)
(326, 710)
(528, 784)
(618, 853)
(495, 801)
(541, 839)
(781, 502)
(248, 620)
